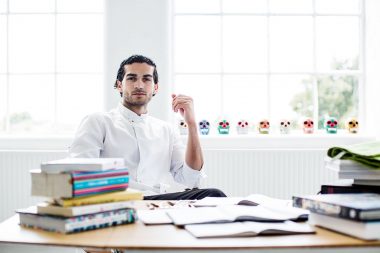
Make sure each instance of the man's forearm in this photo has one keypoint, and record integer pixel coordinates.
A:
(194, 156)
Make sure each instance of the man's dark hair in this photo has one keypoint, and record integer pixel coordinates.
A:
(131, 60)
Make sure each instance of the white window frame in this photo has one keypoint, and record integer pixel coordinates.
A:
(360, 74)
(55, 73)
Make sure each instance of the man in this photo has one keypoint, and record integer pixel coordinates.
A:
(150, 147)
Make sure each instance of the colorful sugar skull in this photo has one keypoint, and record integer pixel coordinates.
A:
(284, 126)
(264, 126)
(308, 126)
(204, 127)
(352, 126)
(242, 127)
(331, 125)
(182, 127)
(223, 127)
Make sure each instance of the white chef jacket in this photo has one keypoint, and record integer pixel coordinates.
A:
(150, 147)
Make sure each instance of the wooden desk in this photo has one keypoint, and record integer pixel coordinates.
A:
(163, 238)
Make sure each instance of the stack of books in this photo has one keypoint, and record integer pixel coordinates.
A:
(360, 174)
(84, 193)
(359, 163)
(357, 215)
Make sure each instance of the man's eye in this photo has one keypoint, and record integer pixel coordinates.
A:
(147, 80)
(131, 78)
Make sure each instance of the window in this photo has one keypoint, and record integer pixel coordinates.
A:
(51, 71)
(255, 59)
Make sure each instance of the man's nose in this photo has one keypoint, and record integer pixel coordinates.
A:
(139, 84)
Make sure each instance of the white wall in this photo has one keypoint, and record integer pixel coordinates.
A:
(138, 27)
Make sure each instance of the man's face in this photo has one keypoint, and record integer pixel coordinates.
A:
(137, 86)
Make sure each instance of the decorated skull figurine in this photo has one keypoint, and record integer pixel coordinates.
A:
(223, 127)
(204, 127)
(284, 126)
(242, 127)
(182, 127)
(308, 126)
(352, 126)
(264, 126)
(331, 125)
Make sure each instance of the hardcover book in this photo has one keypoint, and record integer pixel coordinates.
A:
(125, 195)
(69, 185)
(82, 164)
(360, 207)
(30, 218)
(363, 230)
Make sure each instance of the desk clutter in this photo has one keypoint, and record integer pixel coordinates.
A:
(230, 217)
(84, 194)
(352, 205)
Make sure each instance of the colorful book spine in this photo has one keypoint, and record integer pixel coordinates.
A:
(101, 189)
(84, 184)
(335, 210)
(101, 198)
(78, 223)
(77, 176)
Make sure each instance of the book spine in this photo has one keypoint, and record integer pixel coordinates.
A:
(101, 189)
(99, 174)
(329, 209)
(100, 220)
(77, 185)
(98, 200)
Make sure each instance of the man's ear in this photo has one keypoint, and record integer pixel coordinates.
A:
(155, 89)
(119, 86)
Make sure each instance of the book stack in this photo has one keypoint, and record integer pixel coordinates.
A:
(85, 194)
(357, 215)
(360, 174)
(359, 163)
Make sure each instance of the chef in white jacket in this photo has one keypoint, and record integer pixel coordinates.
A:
(150, 147)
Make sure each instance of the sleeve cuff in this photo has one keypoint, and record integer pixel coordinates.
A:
(193, 177)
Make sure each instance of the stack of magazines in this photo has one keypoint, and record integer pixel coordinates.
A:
(84, 194)
(357, 214)
(360, 162)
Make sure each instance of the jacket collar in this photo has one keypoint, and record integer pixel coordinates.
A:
(130, 115)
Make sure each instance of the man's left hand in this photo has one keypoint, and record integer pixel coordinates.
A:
(184, 104)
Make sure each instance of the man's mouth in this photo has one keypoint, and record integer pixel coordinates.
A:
(139, 93)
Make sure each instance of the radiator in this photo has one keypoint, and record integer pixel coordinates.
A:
(276, 173)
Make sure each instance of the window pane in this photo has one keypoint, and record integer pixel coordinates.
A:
(80, 43)
(31, 6)
(31, 103)
(337, 97)
(291, 6)
(205, 90)
(197, 6)
(291, 43)
(245, 50)
(244, 6)
(80, 5)
(3, 44)
(197, 44)
(79, 95)
(291, 99)
(31, 43)
(245, 97)
(337, 43)
(337, 6)
(3, 6)
(3, 102)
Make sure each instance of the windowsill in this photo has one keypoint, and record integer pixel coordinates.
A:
(232, 141)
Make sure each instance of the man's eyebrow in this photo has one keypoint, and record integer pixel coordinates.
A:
(130, 74)
(147, 75)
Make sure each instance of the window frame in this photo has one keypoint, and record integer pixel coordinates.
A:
(359, 74)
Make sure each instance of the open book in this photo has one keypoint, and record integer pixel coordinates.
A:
(232, 213)
(248, 228)
(251, 200)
